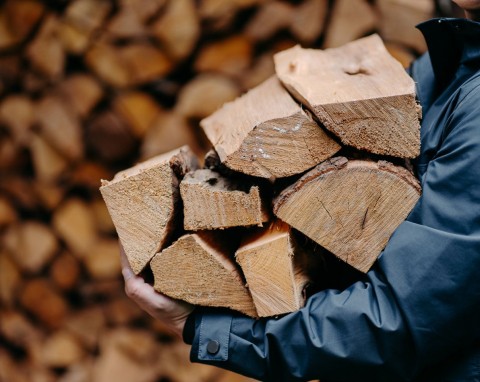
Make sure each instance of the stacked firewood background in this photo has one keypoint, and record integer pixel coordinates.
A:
(90, 87)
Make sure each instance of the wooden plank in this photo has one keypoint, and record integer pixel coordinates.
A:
(269, 262)
(198, 268)
(361, 94)
(350, 207)
(211, 201)
(143, 203)
(265, 133)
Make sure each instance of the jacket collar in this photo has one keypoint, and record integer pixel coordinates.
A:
(451, 43)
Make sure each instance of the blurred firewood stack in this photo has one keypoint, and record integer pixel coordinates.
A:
(88, 87)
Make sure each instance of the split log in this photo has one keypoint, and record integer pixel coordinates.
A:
(197, 270)
(261, 70)
(126, 24)
(178, 29)
(61, 349)
(270, 18)
(265, 133)
(10, 279)
(17, 113)
(87, 325)
(87, 174)
(65, 271)
(144, 9)
(122, 311)
(308, 20)
(350, 20)
(49, 195)
(400, 53)
(103, 221)
(211, 201)
(362, 95)
(104, 60)
(48, 164)
(75, 224)
(398, 20)
(143, 202)
(10, 70)
(269, 262)
(102, 260)
(351, 208)
(17, 329)
(32, 245)
(8, 214)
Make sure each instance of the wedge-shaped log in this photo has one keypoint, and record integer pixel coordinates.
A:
(212, 201)
(198, 270)
(143, 203)
(361, 94)
(265, 133)
(350, 207)
(274, 269)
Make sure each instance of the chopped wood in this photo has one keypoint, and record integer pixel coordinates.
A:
(7, 38)
(211, 201)
(103, 260)
(46, 51)
(87, 174)
(61, 349)
(103, 221)
(31, 244)
(308, 20)
(87, 325)
(65, 271)
(356, 88)
(205, 94)
(49, 195)
(270, 18)
(398, 20)
(10, 70)
(122, 311)
(52, 310)
(75, 224)
(350, 20)
(10, 279)
(400, 53)
(143, 202)
(265, 133)
(268, 260)
(178, 29)
(197, 270)
(17, 329)
(126, 24)
(261, 70)
(60, 127)
(8, 214)
(23, 16)
(144, 9)
(17, 113)
(105, 61)
(48, 164)
(350, 207)
(230, 56)
(138, 109)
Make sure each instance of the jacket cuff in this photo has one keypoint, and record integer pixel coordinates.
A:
(189, 328)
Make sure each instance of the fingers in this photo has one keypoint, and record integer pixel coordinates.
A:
(127, 271)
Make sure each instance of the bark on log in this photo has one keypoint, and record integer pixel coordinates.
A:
(211, 201)
(362, 95)
(195, 269)
(265, 133)
(143, 202)
(351, 208)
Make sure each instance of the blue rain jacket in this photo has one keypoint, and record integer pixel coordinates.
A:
(416, 314)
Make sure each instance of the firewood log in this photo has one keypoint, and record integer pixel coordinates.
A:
(270, 18)
(48, 164)
(8, 214)
(357, 88)
(87, 325)
(265, 133)
(350, 207)
(17, 113)
(143, 202)
(61, 349)
(10, 279)
(65, 271)
(197, 269)
(308, 20)
(102, 260)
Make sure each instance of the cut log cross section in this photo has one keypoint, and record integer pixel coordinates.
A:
(361, 94)
(350, 207)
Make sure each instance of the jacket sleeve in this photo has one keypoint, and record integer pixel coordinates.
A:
(419, 304)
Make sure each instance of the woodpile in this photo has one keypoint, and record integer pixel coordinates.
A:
(91, 87)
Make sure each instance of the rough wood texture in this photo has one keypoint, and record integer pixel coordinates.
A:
(195, 269)
(265, 133)
(270, 266)
(143, 201)
(362, 95)
(350, 207)
(212, 201)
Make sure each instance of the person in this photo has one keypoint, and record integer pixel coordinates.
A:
(415, 316)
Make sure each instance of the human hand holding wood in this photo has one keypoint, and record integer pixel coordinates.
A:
(171, 312)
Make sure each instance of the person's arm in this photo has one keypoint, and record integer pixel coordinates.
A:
(420, 303)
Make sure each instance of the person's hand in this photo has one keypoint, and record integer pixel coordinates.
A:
(173, 313)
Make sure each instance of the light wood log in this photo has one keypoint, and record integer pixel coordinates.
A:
(17, 329)
(144, 9)
(205, 94)
(261, 70)
(10, 70)
(8, 214)
(271, 18)
(350, 20)
(361, 94)
(398, 20)
(350, 207)
(122, 311)
(105, 61)
(265, 133)
(46, 51)
(75, 224)
(48, 164)
(211, 201)
(59, 126)
(10, 279)
(143, 202)
(49, 195)
(103, 260)
(65, 271)
(7, 38)
(17, 113)
(178, 28)
(269, 262)
(87, 325)
(103, 220)
(230, 56)
(44, 302)
(87, 174)
(61, 349)
(197, 270)
(308, 20)
(138, 109)
(32, 245)
(126, 24)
